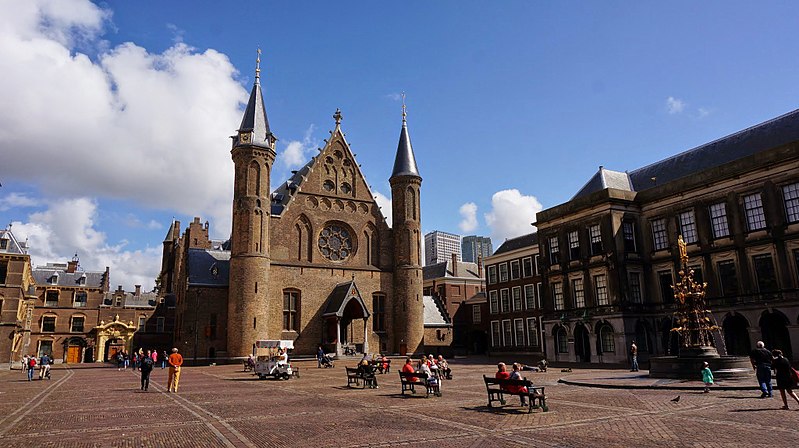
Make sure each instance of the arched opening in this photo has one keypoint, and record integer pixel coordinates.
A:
(606, 342)
(561, 340)
(410, 204)
(736, 335)
(112, 347)
(774, 328)
(582, 343)
(669, 339)
(253, 179)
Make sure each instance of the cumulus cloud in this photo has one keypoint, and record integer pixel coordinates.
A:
(297, 153)
(674, 105)
(468, 212)
(384, 203)
(394, 96)
(119, 122)
(511, 215)
(17, 200)
(68, 226)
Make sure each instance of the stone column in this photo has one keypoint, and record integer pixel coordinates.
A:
(365, 339)
(100, 348)
(338, 337)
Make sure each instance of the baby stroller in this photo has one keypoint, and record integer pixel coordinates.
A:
(326, 361)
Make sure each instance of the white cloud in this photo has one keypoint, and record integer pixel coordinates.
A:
(674, 105)
(128, 123)
(468, 212)
(394, 96)
(68, 226)
(384, 203)
(702, 112)
(297, 153)
(511, 215)
(17, 200)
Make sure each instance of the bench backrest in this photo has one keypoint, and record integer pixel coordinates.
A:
(351, 370)
(407, 375)
(508, 382)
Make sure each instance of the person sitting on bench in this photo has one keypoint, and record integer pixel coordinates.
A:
(444, 366)
(408, 368)
(516, 375)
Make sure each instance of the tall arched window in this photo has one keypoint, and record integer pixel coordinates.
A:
(291, 310)
(257, 221)
(607, 342)
(561, 340)
(410, 203)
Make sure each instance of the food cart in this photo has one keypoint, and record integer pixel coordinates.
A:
(267, 363)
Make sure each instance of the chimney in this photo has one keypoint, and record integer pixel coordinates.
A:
(479, 266)
(72, 265)
(138, 290)
(454, 264)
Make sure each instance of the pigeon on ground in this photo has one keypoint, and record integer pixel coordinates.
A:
(676, 399)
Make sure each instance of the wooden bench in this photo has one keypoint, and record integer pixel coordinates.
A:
(378, 364)
(410, 380)
(497, 389)
(360, 378)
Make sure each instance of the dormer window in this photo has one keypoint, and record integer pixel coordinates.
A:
(54, 279)
(3, 244)
(82, 279)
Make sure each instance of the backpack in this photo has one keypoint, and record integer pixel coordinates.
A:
(32, 362)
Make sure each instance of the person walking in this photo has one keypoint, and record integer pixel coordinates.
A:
(25, 364)
(761, 362)
(707, 376)
(175, 362)
(634, 357)
(31, 367)
(164, 357)
(146, 368)
(44, 367)
(785, 380)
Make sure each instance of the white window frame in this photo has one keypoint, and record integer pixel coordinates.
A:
(554, 250)
(492, 274)
(579, 299)
(754, 212)
(718, 220)
(518, 270)
(628, 230)
(574, 243)
(477, 316)
(595, 236)
(504, 300)
(516, 327)
(633, 298)
(532, 332)
(536, 260)
(493, 302)
(529, 296)
(496, 331)
(72, 323)
(660, 237)
(687, 222)
(516, 297)
(557, 296)
(538, 295)
(55, 323)
(507, 333)
(503, 272)
(790, 200)
(532, 269)
(601, 291)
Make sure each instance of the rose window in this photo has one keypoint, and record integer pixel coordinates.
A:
(335, 243)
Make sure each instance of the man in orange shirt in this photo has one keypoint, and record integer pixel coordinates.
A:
(408, 368)
(175, 361)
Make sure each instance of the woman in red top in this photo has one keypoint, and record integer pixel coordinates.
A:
(502, 372)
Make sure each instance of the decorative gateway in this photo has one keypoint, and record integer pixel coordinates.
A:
(272, 359)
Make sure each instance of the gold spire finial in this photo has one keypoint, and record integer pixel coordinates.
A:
(404, 111)
(258, 65)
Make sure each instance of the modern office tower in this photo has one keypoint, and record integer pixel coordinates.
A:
(474, 247)
(439, 247)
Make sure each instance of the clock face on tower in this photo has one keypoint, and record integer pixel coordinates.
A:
(245, 138)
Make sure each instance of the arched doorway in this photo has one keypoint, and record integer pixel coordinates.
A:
(73, 350)
(736, 335)
(113, 337)
(582, 343)
(343, 310)
(561, 342)
(112, 347)
(774, 327)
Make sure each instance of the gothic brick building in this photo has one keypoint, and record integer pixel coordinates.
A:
(314, 261)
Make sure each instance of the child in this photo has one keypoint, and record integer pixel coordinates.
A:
(707, 377)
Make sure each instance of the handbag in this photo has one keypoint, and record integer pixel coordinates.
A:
(794, 376)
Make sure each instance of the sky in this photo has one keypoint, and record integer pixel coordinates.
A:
(115, 116)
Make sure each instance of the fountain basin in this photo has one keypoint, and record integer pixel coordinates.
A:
(689, 367)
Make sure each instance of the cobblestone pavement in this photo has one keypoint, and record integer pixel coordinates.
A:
(222, 406)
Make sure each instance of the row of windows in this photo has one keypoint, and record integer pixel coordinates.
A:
(594, 236)
(754, 214)
(79, 298)
(526, 267)
(578, 292)
(515, 333)
(77, 324)
(517, 298)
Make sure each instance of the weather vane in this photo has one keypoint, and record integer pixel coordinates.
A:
(404, 112)
(258, 65)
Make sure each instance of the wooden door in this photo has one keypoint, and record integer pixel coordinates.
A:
(73, 354)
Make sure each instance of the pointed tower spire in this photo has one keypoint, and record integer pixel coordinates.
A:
(254, 128)
(405, 161)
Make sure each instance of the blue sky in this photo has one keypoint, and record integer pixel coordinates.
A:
(115, 115)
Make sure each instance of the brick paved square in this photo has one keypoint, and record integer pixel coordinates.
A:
(223, 406)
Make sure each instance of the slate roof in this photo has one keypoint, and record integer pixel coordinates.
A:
(605, 178)
(143, 300)
(529, 240)
(444, 269)
(770, 134)
(13, 246)
(255, 118)
(336, 300)
(405, 161)
(208, 267)
(56, 274)
(480, 297)
(434, 312)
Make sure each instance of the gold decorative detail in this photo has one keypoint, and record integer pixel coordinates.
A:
(694, 322)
